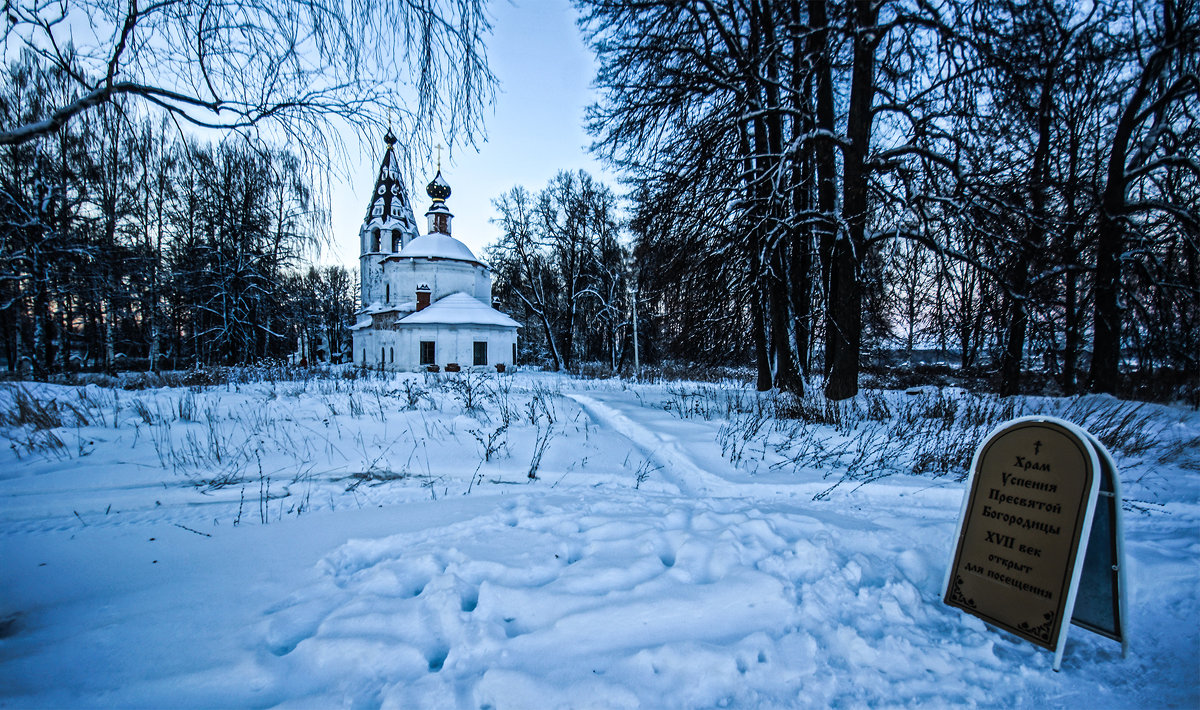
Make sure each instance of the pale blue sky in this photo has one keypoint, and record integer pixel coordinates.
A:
(535, 129)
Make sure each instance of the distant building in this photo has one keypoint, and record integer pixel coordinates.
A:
(426, 300)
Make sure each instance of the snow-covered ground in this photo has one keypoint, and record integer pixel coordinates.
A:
(381, 543)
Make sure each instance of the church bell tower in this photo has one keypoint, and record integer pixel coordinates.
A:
(390, 224)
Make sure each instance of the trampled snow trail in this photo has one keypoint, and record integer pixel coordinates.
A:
(402, 571)
(679, 468)
(566, 603)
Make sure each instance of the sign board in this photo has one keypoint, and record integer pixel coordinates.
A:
(1024, 531)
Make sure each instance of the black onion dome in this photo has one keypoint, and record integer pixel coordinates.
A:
(390, 138)
(438, 188)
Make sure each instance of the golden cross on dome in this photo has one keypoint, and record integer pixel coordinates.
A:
(439, 150)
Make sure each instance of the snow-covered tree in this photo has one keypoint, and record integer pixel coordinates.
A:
(275, 67)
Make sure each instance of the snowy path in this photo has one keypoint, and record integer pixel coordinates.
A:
(707, 585)
(665, 450)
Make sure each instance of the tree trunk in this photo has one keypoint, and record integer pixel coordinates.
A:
(1070, 333)
(754, 247)
(801, 175)
(775, 206)
(781, 337)
(823, 152)
(844, 318)
(801, 299)
(843, 323)
(1014, 337)
(1069, 257)
(1106, 339)
(1110, 232)
(1030, 246)
(41, 359)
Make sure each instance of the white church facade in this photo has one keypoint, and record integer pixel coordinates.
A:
(426, 299)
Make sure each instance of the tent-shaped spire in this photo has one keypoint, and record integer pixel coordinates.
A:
(390, 222)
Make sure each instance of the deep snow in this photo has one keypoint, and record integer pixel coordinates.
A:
(339, 543)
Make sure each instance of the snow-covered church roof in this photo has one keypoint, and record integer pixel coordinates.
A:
(459, 309)
(438, 246)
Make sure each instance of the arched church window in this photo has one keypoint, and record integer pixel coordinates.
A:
(375, 239)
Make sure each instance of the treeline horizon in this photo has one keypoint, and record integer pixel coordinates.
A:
(815, 180)
(807, 183)
(125, 245)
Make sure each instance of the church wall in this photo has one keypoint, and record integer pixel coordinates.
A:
(372, 274)
(371, 347)
(483, 285)
(451, 344)
(457, 344)
(444, 277)
(364, 349)
(370, 279)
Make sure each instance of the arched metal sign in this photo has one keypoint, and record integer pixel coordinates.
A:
(1023, 536)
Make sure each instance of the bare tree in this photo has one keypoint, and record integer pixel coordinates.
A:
(523, 268)
(1028, 52)
(1154, 133)
(561, 259)
(271, 67)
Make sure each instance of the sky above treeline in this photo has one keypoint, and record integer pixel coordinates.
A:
(534, 129)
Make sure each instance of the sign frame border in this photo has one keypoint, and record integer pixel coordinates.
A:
(1118, 534)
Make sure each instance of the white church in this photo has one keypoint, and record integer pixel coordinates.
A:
(426, 299)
